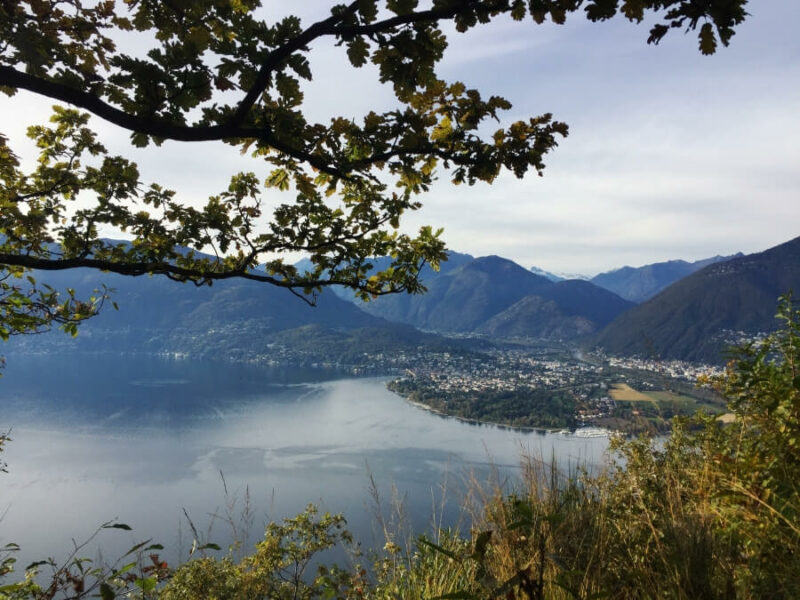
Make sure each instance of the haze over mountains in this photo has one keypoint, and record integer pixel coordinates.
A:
(693, 318)
(454, 260)
(558, 276)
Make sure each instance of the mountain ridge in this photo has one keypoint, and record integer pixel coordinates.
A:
(474, 297)
(487, 296)
(638, 284)
(236, 319)
(694, 318)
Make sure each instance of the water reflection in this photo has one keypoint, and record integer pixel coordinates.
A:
(140, 439)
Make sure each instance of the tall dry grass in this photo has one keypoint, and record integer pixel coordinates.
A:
(665, 521)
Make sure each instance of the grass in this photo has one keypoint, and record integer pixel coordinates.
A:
(687, 405)
(665, 521)
(673, 397)
(625, 393)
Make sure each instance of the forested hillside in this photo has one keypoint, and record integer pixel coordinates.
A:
(231, 319)
(697, 317)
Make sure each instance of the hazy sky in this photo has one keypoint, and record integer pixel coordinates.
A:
(671, 154)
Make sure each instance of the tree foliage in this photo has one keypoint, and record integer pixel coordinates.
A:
(219, 70)
(282, 566)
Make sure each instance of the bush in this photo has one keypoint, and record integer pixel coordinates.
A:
(278, 569)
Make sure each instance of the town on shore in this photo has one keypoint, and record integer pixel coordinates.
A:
(548, 385)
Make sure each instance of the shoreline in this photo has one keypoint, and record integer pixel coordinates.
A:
(520, 428)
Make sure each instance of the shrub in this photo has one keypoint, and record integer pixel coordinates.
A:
(279, 568)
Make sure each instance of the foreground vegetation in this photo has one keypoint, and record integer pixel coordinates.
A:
(712, 512)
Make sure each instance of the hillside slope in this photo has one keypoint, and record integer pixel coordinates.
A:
(695, 318)
(565, 310)
(232, 318)
(461, 300)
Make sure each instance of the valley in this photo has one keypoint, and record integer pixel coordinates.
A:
(489, 342)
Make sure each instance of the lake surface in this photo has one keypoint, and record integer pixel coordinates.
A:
(97, 438)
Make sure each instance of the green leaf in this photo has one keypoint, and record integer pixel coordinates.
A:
(439, 549)
(443, 130)
(401, 7)
(146, 584)
(106, 593)
(125, 569)
(600, 10)
(140, 140)
(358, 52)
(279, 178)
(368, 10)
(209, 546)
(154, 547)
(708, 41)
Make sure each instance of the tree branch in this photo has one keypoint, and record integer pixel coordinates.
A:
(282, 53)
(197, 276)
(184, 133)
(329, 27)
(433, 14)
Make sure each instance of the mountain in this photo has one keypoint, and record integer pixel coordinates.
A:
(580, 276)
(638, 284)
(233, 318)
(380, 263)
(555, 277)
(464, 298)
(241, 319)
(484, 296)
(565, 310)
(582, 298)
(536, 317)
(697, 317)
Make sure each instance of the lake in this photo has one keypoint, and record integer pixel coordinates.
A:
(141, 439)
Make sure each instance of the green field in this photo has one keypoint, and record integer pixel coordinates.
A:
(672, 397)
(625, 393)
(688, 404)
